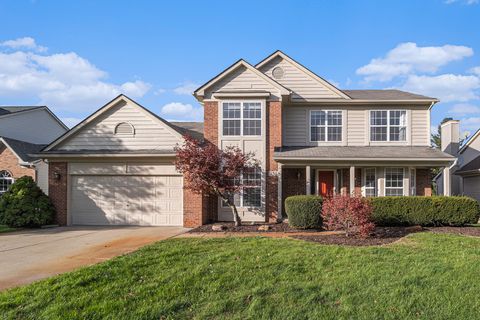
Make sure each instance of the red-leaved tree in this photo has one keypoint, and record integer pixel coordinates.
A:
(209, 170)
(351, 214)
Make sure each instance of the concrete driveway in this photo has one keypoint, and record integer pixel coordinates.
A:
(26, 256)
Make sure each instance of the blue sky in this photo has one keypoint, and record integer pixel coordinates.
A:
(76, 56)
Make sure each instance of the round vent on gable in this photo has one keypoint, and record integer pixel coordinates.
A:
(278, 73)
(124, 128)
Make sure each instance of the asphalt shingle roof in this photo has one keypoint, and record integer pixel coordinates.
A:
(363, 152)
(24, 149)
(473, 165)
(194, 129)
(384, 95)
(10, 109)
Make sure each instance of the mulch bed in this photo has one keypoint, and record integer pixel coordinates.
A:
(230, 227)
(466, 231)
(382, 235)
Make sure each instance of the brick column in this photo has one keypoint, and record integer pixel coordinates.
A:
(58, 189)
(424, 182)
(273, 139)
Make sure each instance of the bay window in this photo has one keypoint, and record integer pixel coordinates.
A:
(325, 125)
(394, 181)
(242, 118)
(388, 125)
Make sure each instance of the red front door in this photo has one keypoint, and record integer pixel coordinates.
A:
(325, 183)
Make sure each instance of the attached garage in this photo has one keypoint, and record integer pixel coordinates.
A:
(117, 194)
(471, 187)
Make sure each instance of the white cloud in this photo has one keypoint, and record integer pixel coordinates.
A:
(467, 2)
(186, 88)
(475, 70)
(23, 43)
(182, 111)
(462, 109)
(71, 122)
(407, 58)
(334, 83)
(470, 124)
(63, 81)
(159, 91)
(446, 87)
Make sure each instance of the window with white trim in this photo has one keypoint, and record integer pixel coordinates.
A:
(388, 125)
(325, 125)
(242, 118)
(394, 181)
(250, 194)
(370, 182)
(413, 182)
(6, 180)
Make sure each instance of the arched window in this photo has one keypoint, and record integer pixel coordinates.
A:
(6, 180)
(124, 128)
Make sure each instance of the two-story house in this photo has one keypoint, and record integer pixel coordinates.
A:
(116, 166)
(313, 138)
(24, 131)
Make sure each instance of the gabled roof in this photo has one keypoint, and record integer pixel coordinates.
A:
(304, 69)
(7, 111)
(472, 167)
(174, 130)
(200, 92)
(389, 94)
(22, 149)
(469, 141)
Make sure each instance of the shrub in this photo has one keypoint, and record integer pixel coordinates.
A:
(352, 214)
(304, 211)
(425, 211)
(25, 205)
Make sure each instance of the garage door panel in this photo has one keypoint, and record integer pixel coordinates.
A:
(126, 200)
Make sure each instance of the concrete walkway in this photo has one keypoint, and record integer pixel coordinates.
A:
(29, 255)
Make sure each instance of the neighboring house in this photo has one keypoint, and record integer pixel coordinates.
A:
(116, 166)
(25, 131)
(464, 174)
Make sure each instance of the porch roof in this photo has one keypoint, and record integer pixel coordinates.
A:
(362, 153)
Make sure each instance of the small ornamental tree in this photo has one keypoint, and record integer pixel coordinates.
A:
(209, 170)
(351, 214)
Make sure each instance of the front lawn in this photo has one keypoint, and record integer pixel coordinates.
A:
(4, 228)
(424, 276)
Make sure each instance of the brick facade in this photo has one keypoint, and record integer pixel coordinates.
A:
(58, 190)
(424, 182)
(344, 185)
(293, 183)
(273, 139)
(9, 162)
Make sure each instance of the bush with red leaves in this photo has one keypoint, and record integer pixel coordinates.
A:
(351, 214)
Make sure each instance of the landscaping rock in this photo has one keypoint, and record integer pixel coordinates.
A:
(219, 227)
(264, 227)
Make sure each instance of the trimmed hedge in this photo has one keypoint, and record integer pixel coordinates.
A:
(425, 211)
(304, 212)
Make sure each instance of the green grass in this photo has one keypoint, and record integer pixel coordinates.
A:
(426, 276)
(4, 228)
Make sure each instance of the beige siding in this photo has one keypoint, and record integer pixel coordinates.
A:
(471, 152)
(356, 119)
(241, 79)
(41, 170)
(420, 127)
(150, 133)
(303, 85)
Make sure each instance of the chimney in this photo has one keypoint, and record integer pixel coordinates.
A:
(450, 132)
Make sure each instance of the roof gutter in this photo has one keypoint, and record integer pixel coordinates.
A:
(364, 159)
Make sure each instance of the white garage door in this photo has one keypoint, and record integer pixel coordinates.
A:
(126, 200)
(471, 187)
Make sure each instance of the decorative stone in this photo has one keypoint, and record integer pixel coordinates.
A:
(264, 227)
(219, 227)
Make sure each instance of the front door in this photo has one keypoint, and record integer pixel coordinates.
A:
(325, 183)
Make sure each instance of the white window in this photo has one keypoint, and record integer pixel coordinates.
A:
(6, 180)
(388, 125)
(250, 195)
(413, 182)
(325, 125)
(242, 118)
(394, 181)
(370, 182)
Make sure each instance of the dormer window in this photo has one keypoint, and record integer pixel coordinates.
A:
(124, 128)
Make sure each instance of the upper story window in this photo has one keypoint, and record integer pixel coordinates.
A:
(325, 125)
(388, 125)
(242, 118)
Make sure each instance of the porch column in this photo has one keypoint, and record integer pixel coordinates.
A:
(352, 180)
(279, 193)
(446, 182)
(308, 184)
